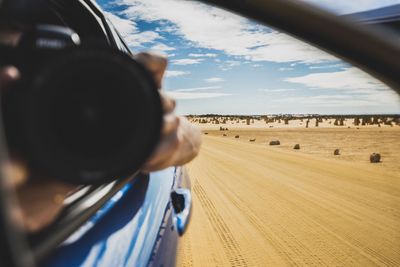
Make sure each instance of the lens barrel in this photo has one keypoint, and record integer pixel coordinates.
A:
(86, 116)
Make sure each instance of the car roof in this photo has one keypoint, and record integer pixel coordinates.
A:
(380, 15)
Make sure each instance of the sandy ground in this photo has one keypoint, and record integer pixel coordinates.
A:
(256, 205)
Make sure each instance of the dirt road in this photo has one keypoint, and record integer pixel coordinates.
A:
(259, 206)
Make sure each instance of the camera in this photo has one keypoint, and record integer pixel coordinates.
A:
(84, 114)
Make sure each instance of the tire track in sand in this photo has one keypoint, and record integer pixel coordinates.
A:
(185, 252)
(260, 226)
(231, 247)
(261, 207)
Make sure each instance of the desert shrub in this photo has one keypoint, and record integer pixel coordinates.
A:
(296, 146)
(336, 152)
(336, 123)
(274, 143)
(375, 158)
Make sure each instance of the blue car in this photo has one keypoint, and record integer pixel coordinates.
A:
(130, 222)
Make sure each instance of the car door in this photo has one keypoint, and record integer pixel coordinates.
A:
(138, 219)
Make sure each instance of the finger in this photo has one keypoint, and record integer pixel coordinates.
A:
(16, 172)
(8, 75)
(168, 141)
(155, 63)
(171, 124)
(189, 139)
(168, 103)
(39, 209)
(186, 146)
(167, 145)
(163, 153)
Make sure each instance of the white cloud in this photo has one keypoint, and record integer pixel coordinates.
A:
(130, 33)
(187, 95)
(329, 101)
(203, 55)
(176, 73)
(166, 29)
(351, 79)
(278, 90)
(228, 64)
(141, 38)
(208, 27)
(195, 89)
(186, 61)
(285, 69)
(195, 93)
(340, 65)
(124, 26)
(214, 80)
(162, 47)
(358, 87)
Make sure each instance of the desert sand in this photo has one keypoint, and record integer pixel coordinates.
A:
(261, 205)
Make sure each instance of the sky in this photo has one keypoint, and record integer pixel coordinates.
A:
(221, 63)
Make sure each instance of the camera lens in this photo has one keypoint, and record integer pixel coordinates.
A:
(92, 116)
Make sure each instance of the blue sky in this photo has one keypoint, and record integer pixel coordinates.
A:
(223, 63)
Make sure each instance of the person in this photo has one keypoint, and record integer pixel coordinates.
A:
(41, 200)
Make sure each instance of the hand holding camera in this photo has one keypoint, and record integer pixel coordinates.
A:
(176, 143)
(80, 114)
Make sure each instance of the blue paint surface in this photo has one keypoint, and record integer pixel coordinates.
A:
(123, 232)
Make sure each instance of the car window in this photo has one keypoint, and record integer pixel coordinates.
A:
(118, 40)
(300, 160)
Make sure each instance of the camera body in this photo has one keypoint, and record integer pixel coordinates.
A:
(82, 114)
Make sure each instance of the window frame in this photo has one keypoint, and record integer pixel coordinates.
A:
(77, 210)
